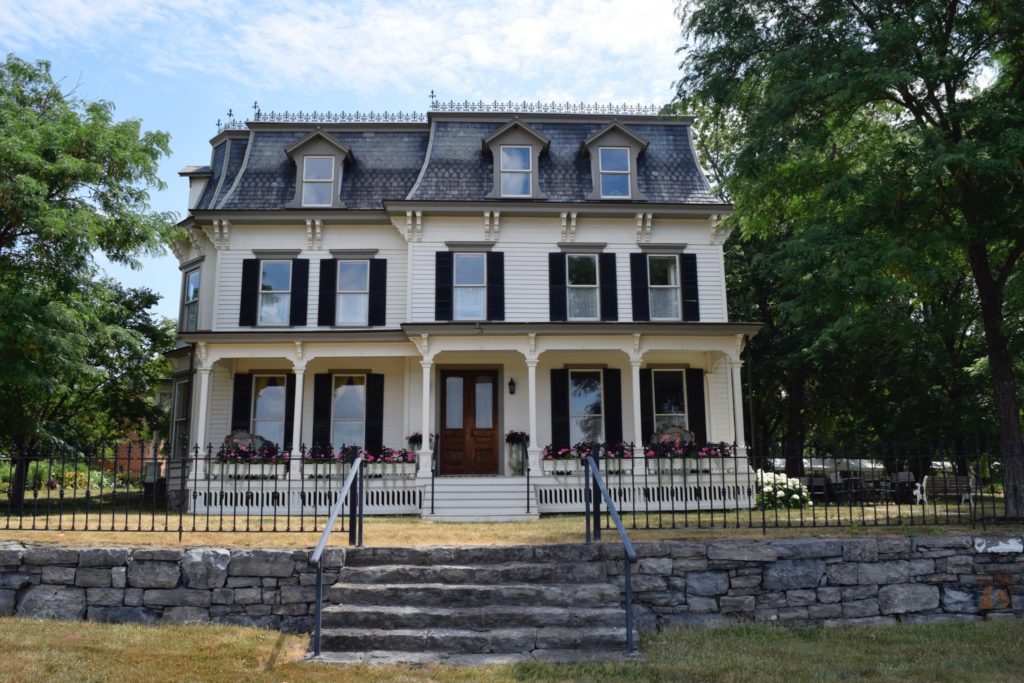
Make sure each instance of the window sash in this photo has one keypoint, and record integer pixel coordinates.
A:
(277, 301)
(311, 185)
(510, 174)
(348, 424)
(667, 420)
(469, 300)
(587, 425)
(190, 302)
(305, 168)
(660, 294)
(353, 304)
(269, 424)
(180, 407)
(611, 173)
(582, 297)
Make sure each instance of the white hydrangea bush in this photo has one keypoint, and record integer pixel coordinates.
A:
(775, 490)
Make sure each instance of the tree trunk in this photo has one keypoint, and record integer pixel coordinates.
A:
(793, 446)
(1004, 388)
(19, 480)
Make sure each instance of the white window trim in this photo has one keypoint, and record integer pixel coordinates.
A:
(596, 286)
(628, 173)
(317, 181)
(338, 292)
(456, 287)
(677, 287)
(261, 291)
(186, 302)
(284, 412)
(528, 172)
(334, 387)
(686, 398)
(600, 393)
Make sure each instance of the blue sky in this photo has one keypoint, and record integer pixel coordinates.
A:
(181, 65)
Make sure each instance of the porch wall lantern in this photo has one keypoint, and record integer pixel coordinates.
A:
(511, 386)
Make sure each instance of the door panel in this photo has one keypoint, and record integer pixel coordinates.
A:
(469, 417)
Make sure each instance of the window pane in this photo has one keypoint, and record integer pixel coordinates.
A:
(586, 429)
(317, 194)
(318, 168)
(469, 303)
(192, 316)
(585, 393)
(515, 158)
(268, 398)
(583, 303)
(453, 403)
(515, 185)
(277, 276)
(352, 309)
(484, 402)
(192, 286)
(469, 269)
(353, 276)
(274, 308)
(668, 392)
(582, 270)
(614, 159)
(665, 303)
(662, 270)
(614, 185)
(347, 434)
(272, 431)
(349, 398)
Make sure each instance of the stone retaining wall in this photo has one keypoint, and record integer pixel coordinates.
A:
(797, 581)
(828, 581)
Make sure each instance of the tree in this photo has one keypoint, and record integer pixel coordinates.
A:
(78, 353)
(946, 78)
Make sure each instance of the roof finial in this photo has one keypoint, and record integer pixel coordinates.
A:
(433, 99)
(256, 110)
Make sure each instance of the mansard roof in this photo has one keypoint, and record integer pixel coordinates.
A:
(446, 159)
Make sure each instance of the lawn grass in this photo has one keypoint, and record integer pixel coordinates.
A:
(56, 651)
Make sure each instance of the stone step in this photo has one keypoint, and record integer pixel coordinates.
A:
(405, 617)
(478, 555)
(506, 572)
(385, 657)
(466, 641)
(439, 594)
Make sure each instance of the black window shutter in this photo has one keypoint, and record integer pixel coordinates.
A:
(560, 409)
(443, 274)
(378, 292)
(688, 278)
(250, 292)
(300, 292)
(638, 280)
(609, 287)
(695, 403)
(646, 406)
(556, 287)
(241, 402)
(374, 413)
(322, 391)
(495, 285)
(328, 289)
(289, 410)
(612, 381)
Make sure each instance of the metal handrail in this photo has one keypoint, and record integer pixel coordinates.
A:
(355, 537)
(591, 463)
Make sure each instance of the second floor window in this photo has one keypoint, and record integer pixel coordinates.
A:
(190, 302)
(317, 180)
(586, 407)
(275, 292)
(614, 165)
(353, 292)
(581, 286)
(516, 171)
(663, 285)
(268, 408)
(470, 287)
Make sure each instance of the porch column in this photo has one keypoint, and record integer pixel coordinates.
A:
(425, 453)
(533, 450)
(200, 422)
(735, 366)
(300, 373)
(634, 373)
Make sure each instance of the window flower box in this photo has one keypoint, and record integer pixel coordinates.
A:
(562, 467)
(321, 469)
(229, 471)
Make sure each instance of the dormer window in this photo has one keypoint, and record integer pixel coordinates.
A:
(516, 171)
(615, 170)
(317, 180)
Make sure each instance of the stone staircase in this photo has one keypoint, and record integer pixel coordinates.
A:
(472, 606)
(479, 499)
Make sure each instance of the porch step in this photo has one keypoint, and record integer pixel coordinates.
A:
(474, 605)
(479, 499)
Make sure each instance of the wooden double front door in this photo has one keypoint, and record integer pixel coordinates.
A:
(469, 422)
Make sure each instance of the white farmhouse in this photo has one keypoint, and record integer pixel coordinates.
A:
(470, 274)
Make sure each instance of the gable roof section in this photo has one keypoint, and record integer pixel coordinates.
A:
(317, 135)
(617, 127)
(513, 124)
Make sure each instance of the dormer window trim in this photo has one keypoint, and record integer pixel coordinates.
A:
(515, 135)
(318, 145)
(614, 136)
